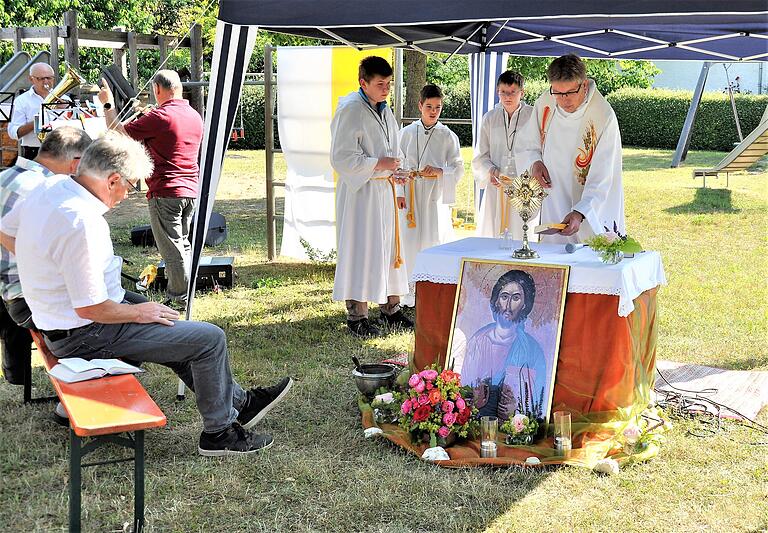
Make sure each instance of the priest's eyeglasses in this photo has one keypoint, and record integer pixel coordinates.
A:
(566, 94)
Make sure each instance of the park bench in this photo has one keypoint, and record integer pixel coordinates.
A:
(99, 411)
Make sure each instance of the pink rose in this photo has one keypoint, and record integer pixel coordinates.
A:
(449, 419)
(414, 380)
(430, 385)
(443, 432)
(446, 406)
(519, 422)
(419, 387)
(423, 399)
(610, 236)
(460, 403)
(406, 407)
(428, 374)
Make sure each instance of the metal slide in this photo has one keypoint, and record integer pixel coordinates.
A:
(744, 155)
(13, 75)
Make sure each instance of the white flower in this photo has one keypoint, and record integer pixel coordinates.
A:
(384, 398)
(607, 466)
(372, 432)
(632, 434)
(610, 236)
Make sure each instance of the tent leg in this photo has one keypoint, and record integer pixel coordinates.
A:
(685, 136)
(181, 391)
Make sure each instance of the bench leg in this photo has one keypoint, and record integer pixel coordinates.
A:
(138, 482)
(28, 388)
(74, 481)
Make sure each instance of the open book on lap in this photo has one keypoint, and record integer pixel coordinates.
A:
(549, 229)
(74, 369)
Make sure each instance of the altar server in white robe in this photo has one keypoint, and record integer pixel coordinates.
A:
(573, 147)
(432, 149)
(364, 146)
(495, 154)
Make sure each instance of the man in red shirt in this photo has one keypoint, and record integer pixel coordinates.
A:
(172, 133)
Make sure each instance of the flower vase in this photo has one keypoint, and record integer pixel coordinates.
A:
(518, 440)
(444, 442)
(612, 258)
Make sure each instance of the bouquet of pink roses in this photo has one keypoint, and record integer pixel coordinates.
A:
(435, 404)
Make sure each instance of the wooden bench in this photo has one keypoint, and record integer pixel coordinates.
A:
(99, 410)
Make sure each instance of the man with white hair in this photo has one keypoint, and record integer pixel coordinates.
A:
(27, 105)
(71, 281)
(59, 155)
(172, 133)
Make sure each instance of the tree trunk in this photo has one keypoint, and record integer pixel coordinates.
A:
(415, 79)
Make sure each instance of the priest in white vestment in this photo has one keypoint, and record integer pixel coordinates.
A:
(431, 149)
(495, 154)
(364, 146)
(572, 146)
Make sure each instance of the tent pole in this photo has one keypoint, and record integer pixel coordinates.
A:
(269, 142)
(685, 136)
(398, 97)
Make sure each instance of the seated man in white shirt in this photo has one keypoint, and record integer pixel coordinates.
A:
(27, 105)
(71, 281)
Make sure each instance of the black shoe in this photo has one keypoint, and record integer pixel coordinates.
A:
(397, 320)
(233, 441)
(261, 400)
(362, 328)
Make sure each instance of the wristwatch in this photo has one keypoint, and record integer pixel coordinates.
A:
(107, 106)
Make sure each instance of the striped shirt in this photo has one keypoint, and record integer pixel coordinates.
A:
(16, 183)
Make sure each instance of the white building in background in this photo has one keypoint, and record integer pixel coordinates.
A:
(753, 76)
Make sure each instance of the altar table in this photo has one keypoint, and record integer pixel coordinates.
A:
(607, 356)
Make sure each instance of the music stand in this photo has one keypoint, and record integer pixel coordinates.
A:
(123, 92)
(6, 98)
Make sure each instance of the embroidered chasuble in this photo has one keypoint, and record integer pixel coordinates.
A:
(582, 151)
(369, 264)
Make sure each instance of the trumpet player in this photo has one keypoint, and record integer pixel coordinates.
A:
(27, 105)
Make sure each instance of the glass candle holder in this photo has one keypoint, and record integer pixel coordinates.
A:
(562, 420)
(489, 426)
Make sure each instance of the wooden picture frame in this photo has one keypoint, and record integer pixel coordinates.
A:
(505, 334)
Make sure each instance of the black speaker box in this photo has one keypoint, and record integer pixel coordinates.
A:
(213, 272)
(142, 236)
(217, 232)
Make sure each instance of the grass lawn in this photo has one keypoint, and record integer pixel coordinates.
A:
(322, 475)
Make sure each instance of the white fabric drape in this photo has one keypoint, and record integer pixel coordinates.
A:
(305, 110)
(484, 70)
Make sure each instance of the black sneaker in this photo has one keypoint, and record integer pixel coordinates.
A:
(261, 400)
(176, 305)
(233, 441)
(397, 320)
(363, 328)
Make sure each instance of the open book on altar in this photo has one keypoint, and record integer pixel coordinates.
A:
(549, 229)
(74, 369)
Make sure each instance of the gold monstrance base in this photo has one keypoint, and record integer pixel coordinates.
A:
(526, 195)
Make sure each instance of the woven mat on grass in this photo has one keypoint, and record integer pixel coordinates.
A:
(744, 392)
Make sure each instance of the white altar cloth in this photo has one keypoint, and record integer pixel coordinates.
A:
(627, 279)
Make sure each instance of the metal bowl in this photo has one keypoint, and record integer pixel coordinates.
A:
(371, 377)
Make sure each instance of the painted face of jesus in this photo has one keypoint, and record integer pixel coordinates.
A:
(510, 304)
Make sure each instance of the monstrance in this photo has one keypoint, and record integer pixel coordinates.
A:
(525, 194)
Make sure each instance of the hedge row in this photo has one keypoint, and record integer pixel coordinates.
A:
(654, 118)
(650, 118)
